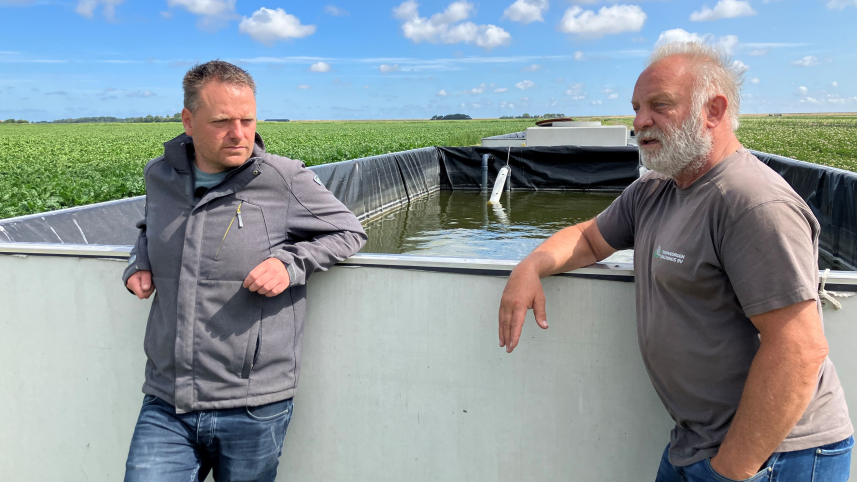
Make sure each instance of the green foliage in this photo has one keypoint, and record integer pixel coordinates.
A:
(177, 117)
(52, 166)
(451, 117)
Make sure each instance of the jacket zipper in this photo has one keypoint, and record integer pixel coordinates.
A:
(240, 225)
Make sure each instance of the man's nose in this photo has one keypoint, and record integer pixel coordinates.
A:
(642, 120)
(235, 129)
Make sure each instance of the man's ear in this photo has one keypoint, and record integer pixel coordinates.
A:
(715, 110)
(187, 116)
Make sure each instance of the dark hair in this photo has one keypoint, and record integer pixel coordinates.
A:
(216, 70)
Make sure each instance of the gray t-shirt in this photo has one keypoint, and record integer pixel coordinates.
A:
(737, 243)
(206, 179)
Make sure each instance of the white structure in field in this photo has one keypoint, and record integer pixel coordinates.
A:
(563, 133)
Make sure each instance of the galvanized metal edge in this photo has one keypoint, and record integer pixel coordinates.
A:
(428, 263)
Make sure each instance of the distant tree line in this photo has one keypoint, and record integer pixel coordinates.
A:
(528, 116)
(451, 117)
(177, 117)
(16, 121)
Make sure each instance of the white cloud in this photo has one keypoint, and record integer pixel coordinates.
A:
(336, 11)
(842, 100)
(449, 27)
(755, 80)
(476, 90)
(596, 102)
(726, 42)
(386, 68)
(608, 20)
(607, 91)
(87, 7)
(575, 89)
(204, 7)
(834, 84)
(723, 9)
(840, 4)
(320, 67)
(504, 105)
(526, 11)
(808, 61)
(759, 52)
(578, 56)
(442, 93)
(304, 87)
(268, 26)
(802, 90)
(525, 84)
(613, 96)
(501, 90)
(531, 68)
(740, 66)
(810, 100)
(524, 99)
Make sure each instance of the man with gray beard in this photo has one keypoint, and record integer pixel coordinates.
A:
(726, 278)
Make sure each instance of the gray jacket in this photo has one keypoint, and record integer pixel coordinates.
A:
(210, 342)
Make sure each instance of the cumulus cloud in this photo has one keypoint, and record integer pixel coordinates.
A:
(526, 11)
(386, 69)
(320, 67)
(579, 56)
(810, 100)
(87, 7)
(755, 80)
(210, 8)
(268, 26)
(304, 87)
(531, 68)
(525, 84)
(725, 42)
(607, 91)
(449, 27)
(501, 90)
(608, 20)
(842, 100)
(840, 4)
(575, 89)
(834, 84)
(802, 90)
(613, 96)
(808, 61)
(739, 66)
(442, 93)
(596, 102)
(723, 9)
(476, 90)
(336, 11)
(140, 93)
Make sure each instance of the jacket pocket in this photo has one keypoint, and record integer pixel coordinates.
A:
(235, 240)
(254, 345)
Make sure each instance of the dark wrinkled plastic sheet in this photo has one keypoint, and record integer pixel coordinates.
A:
(541, 168)
(832, 196)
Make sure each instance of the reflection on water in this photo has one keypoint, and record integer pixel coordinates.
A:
(462, 224)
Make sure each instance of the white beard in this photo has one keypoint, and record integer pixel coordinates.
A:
(683, 151)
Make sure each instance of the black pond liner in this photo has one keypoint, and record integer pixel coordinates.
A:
(377, 185)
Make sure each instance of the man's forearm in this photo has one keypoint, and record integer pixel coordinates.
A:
(779, 387)
(566, 250)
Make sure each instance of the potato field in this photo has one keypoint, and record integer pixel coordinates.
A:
(52, 166)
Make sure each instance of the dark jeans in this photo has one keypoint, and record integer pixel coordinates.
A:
(239, 444)
(828, 463)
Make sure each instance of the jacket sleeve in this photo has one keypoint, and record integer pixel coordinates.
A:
(139, 259)
(322, 230)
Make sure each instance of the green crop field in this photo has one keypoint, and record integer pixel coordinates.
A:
(53, 166)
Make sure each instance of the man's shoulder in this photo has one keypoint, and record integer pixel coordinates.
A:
(152, 163)
(747, 183)
(285, 166)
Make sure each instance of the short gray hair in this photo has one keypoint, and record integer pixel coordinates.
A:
(715, 74)
(216, 70)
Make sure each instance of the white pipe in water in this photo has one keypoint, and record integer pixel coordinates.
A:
(498, 184)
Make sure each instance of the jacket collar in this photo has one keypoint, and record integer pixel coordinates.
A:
(179, 151)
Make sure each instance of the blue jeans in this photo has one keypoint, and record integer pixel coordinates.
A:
(828, 463)
(239, 444)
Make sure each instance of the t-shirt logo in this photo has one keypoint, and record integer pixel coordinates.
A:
(668, 255)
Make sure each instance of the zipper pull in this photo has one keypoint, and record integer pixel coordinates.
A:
(238, 212)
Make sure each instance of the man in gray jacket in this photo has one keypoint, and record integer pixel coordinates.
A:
(230, 236)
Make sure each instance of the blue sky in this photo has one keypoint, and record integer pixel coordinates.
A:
(405, 59)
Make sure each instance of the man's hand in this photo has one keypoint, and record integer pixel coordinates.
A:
(523, 292)
(141, 284)
(270, 278)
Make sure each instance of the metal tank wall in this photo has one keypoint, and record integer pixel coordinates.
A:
(403, 378)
